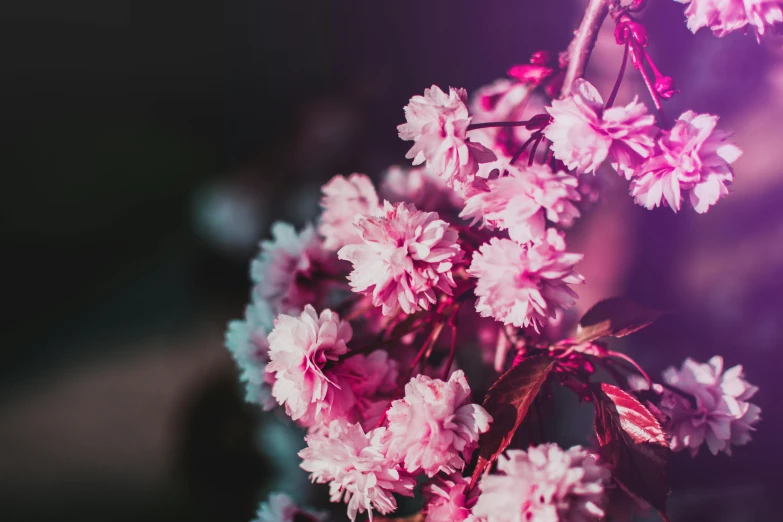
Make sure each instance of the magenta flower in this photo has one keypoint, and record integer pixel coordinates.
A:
(544, 484)
(343, 199)
(438, 125)
(525, 285)
(280, 508)
(355, 465)
(692, 158)
(420, 187)
(725, 16)
(299, 349)
(523, 200)
(584, 135)
(722, 415)
(447, 499)
(434, 427)
(406, 254)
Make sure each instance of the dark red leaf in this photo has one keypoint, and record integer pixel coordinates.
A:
(634, 444)
(616, 317)
(508, 401)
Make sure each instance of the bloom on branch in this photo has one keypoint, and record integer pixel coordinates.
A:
(544, 484)
(584, 135)
(438, 122)
(343, 199)
(299, 349)
(722, 415)
(248, 344)
(433, 428)
(355, 465)
(448, 499)
(280, 508)
(405, 256)
(694, 158)
(524, 199)
(525, 285)
(725, 16)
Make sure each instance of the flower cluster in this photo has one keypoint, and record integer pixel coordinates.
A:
(725, 16)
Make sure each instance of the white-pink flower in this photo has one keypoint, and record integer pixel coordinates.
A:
(434, 428)
(355, 465)
(447, 499)
(722, 415)
(367, 384)
(584, 135)
(280, 508)
(693, 159)
(525, 285)
(544, 484)
(438, 122)
(405, 256)
(299, 349)
(420, 187)
(283, 272)
(343, 199)
(725, 16)
(522, 201)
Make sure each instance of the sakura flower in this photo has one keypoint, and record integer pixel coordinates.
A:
(524, 285)
(434, 424)
(343, 199)
(544, 484)
(406, 254)
(693, 158)
(438, 125)
(725, 16)
(248, 344)
(722, 415)
(584, 135)
(420, 187)
(280, 508)
(448, 499)
(355, 465)
(285, 272)
(524, 199)
(299, 349)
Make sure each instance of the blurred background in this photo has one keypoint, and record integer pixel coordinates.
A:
(146, 147)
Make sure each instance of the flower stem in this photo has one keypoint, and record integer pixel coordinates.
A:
(616, 88)
(474, 126)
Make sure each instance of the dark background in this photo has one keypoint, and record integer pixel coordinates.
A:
(146, 146)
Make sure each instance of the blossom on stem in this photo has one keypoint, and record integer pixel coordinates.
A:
(343, 199)
(280, 508)
(584, 135)
(722, 415)
(247, 341)
(692, 158)
(405, 256)
(434, 428)
(725, 16)
(438, 122)
(448, 499)
(355, 465)
(544, 484)
(525, 285)
(523, 200)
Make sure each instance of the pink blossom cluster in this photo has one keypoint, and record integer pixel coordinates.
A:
(725, 16)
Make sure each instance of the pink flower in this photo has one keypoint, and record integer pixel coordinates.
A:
(286, 270)
(355, 465)
(367, 384)
(299, 349)
(447, 499)
(693, 157)
(280, 508)
(406, 255)
(524, 285)
(524, 199)
(721, 417)
(343, 199)
(438, 124)
(544, 484)
(248, 344)
(725, 16)
(420, 187)
(584, 135)
(434, 424)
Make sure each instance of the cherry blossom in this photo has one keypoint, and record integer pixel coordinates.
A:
(448, 499)
(693, 159)
(524, 285)
(584, 135)
(725, 16)
(343, 199)
(407, 254)
(722, 415)
(544, 484)
(280, 508)
(421, 187)
(355, 465)
(438, 122)
(434, 427)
